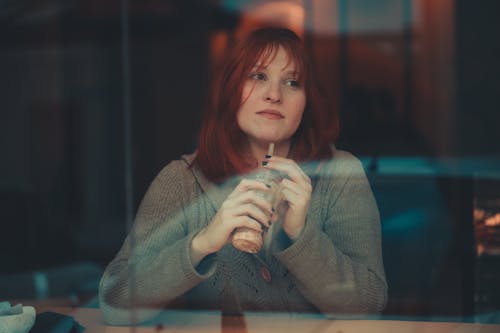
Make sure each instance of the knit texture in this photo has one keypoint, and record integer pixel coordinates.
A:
(335, 266)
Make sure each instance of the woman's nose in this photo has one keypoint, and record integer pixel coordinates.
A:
(273, 93)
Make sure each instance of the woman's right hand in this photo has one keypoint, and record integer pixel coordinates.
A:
(244, 207)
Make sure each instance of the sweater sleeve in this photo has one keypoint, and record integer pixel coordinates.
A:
(153, 268)
(337, 263)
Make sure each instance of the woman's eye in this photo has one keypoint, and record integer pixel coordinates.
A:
(293, 83)
(257, 76)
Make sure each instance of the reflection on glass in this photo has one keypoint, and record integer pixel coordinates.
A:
(487, 235)
(487, 216)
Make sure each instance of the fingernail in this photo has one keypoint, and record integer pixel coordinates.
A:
(268, 156)
(268, 185)
(270, 222)
(264, 163)
(272, 208)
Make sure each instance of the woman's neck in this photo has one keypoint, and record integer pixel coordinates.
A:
(259, 150)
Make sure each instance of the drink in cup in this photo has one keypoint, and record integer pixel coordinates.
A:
(250, 240)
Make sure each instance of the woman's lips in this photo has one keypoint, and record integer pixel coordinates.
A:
(270, 114)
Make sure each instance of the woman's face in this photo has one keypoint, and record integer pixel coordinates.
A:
(273, 101)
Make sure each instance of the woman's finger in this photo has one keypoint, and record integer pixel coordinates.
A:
(247, 222)
(246, 185)
(251, 197)
(257, 198)
(303, 189)
(294, 199)
(288, 167)
(253, 212)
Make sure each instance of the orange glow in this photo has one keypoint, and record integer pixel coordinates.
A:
(280, 13)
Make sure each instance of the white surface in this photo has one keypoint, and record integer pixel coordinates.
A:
(18, 323)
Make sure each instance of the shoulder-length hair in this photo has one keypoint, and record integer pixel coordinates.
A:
(221, 144)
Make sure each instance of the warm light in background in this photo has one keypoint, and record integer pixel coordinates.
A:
(281, 13)
(253, 15)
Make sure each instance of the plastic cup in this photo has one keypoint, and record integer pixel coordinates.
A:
(250, 240)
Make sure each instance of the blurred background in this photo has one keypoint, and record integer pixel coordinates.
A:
(97, 96)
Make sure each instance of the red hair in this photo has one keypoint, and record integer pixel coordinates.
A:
(221, 144)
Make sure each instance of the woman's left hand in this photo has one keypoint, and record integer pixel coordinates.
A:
(296, 191)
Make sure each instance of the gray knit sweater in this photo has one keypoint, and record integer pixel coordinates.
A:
(335, 266)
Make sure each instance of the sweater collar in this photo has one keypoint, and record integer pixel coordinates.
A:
(216, 193)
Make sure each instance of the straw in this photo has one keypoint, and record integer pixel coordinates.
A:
(270, 150)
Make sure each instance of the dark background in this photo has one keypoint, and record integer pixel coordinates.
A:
(96, 97)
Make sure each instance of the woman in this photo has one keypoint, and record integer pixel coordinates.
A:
(325, 252)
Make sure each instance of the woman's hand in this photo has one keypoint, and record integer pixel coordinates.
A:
(244, 207)
(296, 192)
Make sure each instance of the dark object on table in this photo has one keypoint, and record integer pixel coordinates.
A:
(51, 322)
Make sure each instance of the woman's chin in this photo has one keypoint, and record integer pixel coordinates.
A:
(270, 139)
(266, 138)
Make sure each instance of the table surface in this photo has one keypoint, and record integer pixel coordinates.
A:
(206, 321)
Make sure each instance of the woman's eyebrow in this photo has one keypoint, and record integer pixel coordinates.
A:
(259, 66)
(291, 72)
